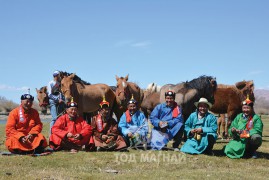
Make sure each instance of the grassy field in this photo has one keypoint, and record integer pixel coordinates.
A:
(135, 164)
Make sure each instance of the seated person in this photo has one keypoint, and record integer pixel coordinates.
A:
(246, 130)
(168, 123)
(70, 131)
(133, 125)
(23, 129)
(105, 130)
(201, 130)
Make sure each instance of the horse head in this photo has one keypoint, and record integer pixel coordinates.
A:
(68, 86)
(43, 99)
(246, 88)
(212, 89)
(206, 86)
(122, 91)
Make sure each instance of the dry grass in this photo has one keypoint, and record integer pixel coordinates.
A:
(134, 164)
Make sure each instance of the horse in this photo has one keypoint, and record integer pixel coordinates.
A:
(43, 99)
(42, 94)
(88, 97)
(151, 98)
(124, 92)
(189, 92)
(228, 99)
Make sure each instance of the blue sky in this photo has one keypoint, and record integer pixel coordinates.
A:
(161, 41)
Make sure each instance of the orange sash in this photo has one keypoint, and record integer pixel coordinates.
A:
(176, 111)
(249, 125)
(128, 116)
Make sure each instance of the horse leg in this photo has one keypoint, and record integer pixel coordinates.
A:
(224, 126)
(219, 124)
(87, 117)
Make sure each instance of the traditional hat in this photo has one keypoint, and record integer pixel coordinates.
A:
(27, 96)
(56, 73)
(72, 104)
(104, 103)
(170, 93)
(247, 102)
(203, 100)
(132, 100)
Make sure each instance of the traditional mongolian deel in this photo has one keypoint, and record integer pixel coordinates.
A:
(64, 125)
(173, 117)
(237, 147)
(209, 126)
(21, 123)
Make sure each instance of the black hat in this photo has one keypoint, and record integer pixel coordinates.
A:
(104, 103)
(170, 93)
(132, 100)
(248, 102)
(27, 96)
(72, 104)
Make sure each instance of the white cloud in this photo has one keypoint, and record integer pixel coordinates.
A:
(12, 88)
(132, 43)
(255, 72)
(142, 44)
(123, 43)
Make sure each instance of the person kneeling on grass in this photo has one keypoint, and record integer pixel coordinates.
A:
(105, 130)
(71, 132)
(246, 130)
(201, 130)
(23, 129)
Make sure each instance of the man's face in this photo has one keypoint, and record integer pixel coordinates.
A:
(26, 104)
(247, 110)
(132, 108)
(169, 100)
(104, 111)
(202, 108)
(72, 112)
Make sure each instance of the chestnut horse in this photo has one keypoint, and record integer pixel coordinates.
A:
(124, 91)
(88, 97)
(42, 94)
(228, 99)
(189, 92)
(43, 99)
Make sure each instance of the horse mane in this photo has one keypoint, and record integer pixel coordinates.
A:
(76, 78)
(153, 87)
(199, 82)
(43, 89)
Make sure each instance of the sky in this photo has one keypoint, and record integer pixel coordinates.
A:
(160, 41)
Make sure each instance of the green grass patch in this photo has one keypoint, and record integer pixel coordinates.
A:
(135, 164)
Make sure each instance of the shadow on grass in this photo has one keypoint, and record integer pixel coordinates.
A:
(263, 155)
(219, 152)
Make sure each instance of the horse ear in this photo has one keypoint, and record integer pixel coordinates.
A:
(240, 85)
(126, 77)
(117, 78)
(36, 90)
(72, 75)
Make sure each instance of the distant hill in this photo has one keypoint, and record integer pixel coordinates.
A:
(261, 101)
(262, 93)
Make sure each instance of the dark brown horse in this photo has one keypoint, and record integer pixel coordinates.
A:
(124, 91)
(228, 99)
(191, 91)
(88, 97)
(43, 99)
